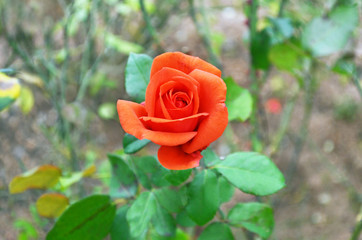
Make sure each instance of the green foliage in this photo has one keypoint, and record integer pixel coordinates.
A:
(172, 200)
(238, 101)
(288, 56)
(26, 230)
(123, 181)
(324, 36)
(226, 190)
(203, 197)
(345, 66)
(217, 231)
(260, 45)
(120, 227)
(138, 75)
(149, 172)
(255, 217)
(180, 235)
(132, 145)
(176, 177)
(5, 102)
(89, 218)
(346, 110)
(184, 220)
(163, 222)
(281, 29)
(252, 173)
(121, 45)
(140, 213)
(209, 156)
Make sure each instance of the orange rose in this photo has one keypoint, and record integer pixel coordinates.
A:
(184, 109)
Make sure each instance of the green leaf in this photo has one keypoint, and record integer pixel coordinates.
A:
(121, 45)
(238, 101)
(123, 181)
(120, 228)
(89, 218)
(280, 30)
(140, 213)
(107, 110)
(252, 173)
(149, 171)
(256, 217)
(259, 50)
(203, 197)
(184, 220)
(74, 177)
(138, 70)
(171, 199)
(180, 235)
(26, 229)
(324, 36)
(226, 190)
(176, 177)
(163, 222)
(5, 102)
(210, 157)
(345, 66)
(132, 145)
(287, 56)
(217, 231)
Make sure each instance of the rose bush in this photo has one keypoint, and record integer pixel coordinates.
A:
(184, 109)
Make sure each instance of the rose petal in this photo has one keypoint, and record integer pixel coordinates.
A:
(212, 101)
(182, 62)
(175, 159)
(129, 114)
(187, 124)
(153, 103)
(171, 90)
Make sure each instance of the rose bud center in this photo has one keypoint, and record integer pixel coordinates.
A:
(181, 99)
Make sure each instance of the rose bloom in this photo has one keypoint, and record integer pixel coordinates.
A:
(184, 109)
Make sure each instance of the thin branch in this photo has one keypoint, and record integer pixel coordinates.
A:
(357, 84)
(310, 89)
(204, 36)
(255, 90)
(152, 31)
(283, 126)
(88, 48)
(357, 231)
(281, 8)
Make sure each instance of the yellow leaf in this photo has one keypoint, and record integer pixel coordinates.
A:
(31, 78)
(42, 177)
(9, 87)
(89, 171)
(51, 205)
(26, 100)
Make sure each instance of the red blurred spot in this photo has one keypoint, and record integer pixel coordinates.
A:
(273, 106)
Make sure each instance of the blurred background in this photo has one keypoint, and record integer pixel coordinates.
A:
(301, 61)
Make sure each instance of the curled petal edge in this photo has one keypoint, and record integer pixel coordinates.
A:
(174, 158)
(129, 114)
